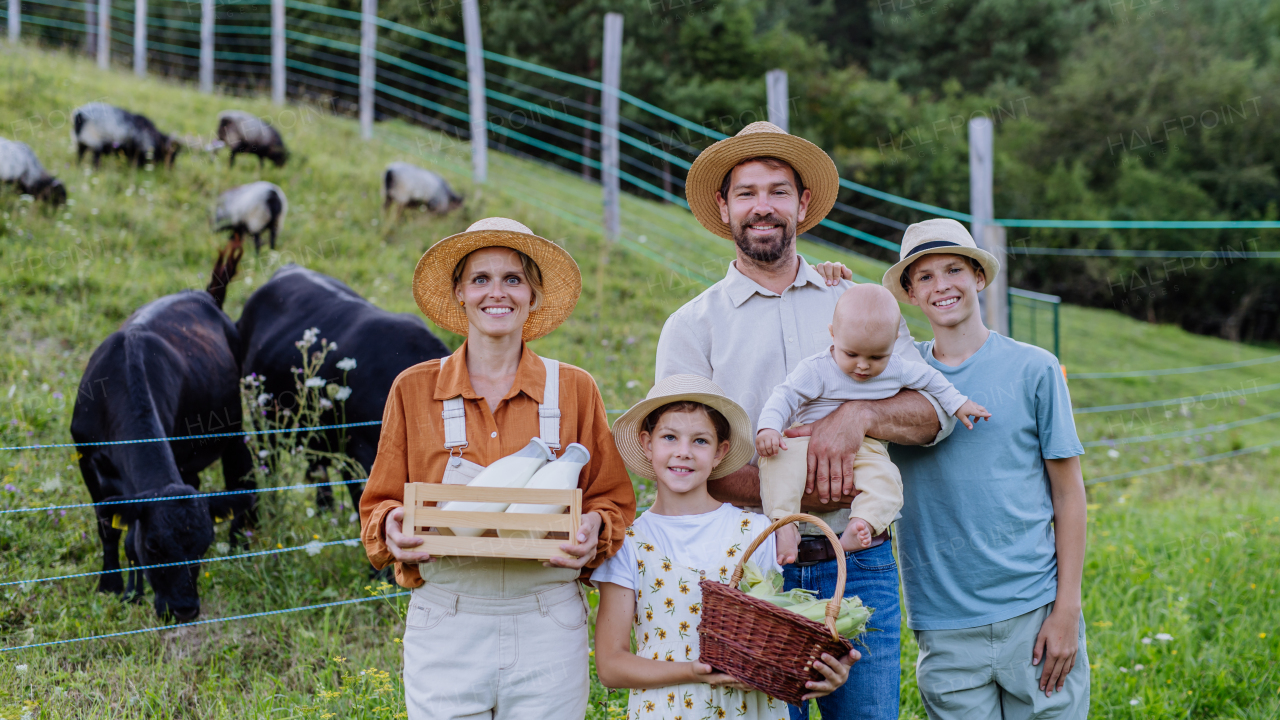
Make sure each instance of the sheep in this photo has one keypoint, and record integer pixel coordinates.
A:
(101, 128)
(20, 166)
(251, 210)
(404, 185)
(245, 133)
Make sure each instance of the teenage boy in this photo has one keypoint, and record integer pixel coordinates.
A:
(992, 536)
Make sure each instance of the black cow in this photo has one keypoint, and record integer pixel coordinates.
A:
(170, 370)
(383, 344)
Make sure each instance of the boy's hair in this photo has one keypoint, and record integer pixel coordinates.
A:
(718, 421)
(906, 272)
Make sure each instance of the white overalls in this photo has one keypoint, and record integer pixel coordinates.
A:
(494, 638)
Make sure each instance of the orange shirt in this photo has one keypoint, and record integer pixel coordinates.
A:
(411, 445)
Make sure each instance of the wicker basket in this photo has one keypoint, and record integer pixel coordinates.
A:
(767, 647)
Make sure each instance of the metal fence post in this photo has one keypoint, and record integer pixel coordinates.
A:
(104, 33)
(609, 152)
(140, 38)
(775, 82)
(206, 46)
(277, 52)
(475, 92)
(368, 70)
(91, 28)
(15, 19)
(988, 236)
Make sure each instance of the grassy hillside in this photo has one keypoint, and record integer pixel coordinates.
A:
(1190, 552)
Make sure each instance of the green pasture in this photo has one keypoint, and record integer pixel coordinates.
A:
(1188, 554)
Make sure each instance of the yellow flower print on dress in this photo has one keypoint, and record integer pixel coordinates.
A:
(662, 634)
(688, 652)
(733, 551)
(671, 606)
(671, 699)
(658, 583)
(669, 658)
(684, 629)
(648, 706)
(666, 565)
(631, 533)
(646, 547)
(695, 608)
(688, 701)
(640, 566)
(648, 613)
(684, 586)
(745, 526)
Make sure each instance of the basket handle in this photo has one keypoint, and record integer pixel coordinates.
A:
(833, 607)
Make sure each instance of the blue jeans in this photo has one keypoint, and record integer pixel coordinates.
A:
(873, 689)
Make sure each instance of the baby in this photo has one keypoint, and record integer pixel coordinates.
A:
(860, 365)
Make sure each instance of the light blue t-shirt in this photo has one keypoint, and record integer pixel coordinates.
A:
(975, 540)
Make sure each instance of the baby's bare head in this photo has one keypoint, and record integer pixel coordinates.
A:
(866, 317)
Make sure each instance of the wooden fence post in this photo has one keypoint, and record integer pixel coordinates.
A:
(104, 33)
(988, 236)
(140, 38)
(15, 20)
(368, 68)
(475, 92)
(277, 52)
(206, 46)
(776, 91)
(91, 28)
(609, 151)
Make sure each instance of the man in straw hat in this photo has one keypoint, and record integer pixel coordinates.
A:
(772, 310)
(992, 533)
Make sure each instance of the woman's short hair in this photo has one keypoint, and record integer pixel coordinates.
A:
(531, 273)
(906, 273)
(718, 421)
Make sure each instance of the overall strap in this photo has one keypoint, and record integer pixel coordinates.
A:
(455, 420)
(549, 410)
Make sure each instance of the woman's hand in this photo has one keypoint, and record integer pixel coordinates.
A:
(703, 672)
(834, 674)
(833, 272)
(401, 545)
(584, 549)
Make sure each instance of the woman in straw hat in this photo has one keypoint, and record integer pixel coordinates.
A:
(683, 434)
(492, 637)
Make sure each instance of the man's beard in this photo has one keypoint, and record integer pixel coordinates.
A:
(764, 251)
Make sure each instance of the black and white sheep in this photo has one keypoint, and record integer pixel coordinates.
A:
(246, 133)
(405, 185)
(105, 129)
(251, 210)
(20, 166)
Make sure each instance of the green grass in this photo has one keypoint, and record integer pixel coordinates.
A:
(1191, 552)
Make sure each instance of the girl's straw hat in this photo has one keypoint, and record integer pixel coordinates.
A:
(934, 237)
(760, 139)
(694, 388)
(433, 278)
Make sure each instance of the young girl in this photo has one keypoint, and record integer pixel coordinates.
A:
(685, 433)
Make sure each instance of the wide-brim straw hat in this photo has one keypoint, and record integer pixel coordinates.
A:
(939, 236)
(433, 278)
(677, 388)
(761, 139)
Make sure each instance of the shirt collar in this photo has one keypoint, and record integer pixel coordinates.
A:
(739, 287)
(454, 380)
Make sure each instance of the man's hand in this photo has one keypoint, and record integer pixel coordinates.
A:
(1057, 645)
(584, 549)
(833, 272)
(833, 443)
(399, 543)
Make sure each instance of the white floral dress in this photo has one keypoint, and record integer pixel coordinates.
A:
(668, 607)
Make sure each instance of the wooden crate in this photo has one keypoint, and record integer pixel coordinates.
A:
(419, 517)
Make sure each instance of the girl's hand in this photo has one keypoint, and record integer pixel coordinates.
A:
(703, 672)
(401, 545)
(833, 272)
(834, 673)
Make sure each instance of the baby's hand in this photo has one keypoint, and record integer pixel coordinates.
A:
(768, 441)
(971, 408)
(856, 535)
(788, 542)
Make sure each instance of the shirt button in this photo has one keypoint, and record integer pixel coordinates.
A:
(493, 434)
(790, 339)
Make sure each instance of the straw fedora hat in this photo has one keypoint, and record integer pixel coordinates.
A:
(694, 388)
(933, 237)
(760, 139)
(433, 278)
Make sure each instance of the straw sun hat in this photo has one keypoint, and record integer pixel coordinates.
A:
(760, 139)
(676, 388)
(939, 236)
(433, 278)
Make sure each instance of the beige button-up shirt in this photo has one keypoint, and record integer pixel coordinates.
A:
(746, 339)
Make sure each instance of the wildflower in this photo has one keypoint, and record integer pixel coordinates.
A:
(263, 399)
(222, 548)
(22, 669)
(1146, 641)
(1113, 453)
(1134, 701)
(347, 364)
(1164, 637)
(353, 517)
(57, 395)
(1262, 636)
(309, 337)
(325, 403)
(311, 512)
(343, 393)
(333, 346)
(314, 382)
(10, 488)
(263, 453)
(1139, 667)
(314, 547)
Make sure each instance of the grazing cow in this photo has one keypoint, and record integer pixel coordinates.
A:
(251, 210)
(104, 129)
(20, 166)
(246, 133)
(405, 185)
(383, 344)
(171, 370)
